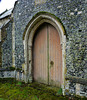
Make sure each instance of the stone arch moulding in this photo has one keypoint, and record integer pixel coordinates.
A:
(29, 33)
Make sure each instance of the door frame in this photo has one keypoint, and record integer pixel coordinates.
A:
(28, 36)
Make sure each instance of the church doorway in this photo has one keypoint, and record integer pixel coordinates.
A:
(47, 55)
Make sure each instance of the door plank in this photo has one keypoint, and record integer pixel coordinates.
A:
(55, 57)
(40, 55)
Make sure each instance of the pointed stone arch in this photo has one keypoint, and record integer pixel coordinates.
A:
(28, 36)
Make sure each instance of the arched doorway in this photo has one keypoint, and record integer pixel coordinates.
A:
(28, 37)
(47, 55)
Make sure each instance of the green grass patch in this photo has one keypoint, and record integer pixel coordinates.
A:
(33, 91)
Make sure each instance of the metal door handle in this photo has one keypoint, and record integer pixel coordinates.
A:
(51, 64)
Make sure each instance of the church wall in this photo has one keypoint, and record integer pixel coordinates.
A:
(73, 17)
(7, 46)
(2, 36)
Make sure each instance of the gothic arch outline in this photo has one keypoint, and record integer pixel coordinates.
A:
(29, 33)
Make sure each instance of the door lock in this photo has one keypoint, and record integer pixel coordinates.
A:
(51, 64)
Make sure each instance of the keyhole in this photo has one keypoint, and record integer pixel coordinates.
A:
(51, 64)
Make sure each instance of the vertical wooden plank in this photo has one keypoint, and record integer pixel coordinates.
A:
(55, 57)
(48, 51)
(40, 55)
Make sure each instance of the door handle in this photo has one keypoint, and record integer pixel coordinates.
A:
(51, 64)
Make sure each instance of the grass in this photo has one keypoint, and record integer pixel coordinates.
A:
(34, 91)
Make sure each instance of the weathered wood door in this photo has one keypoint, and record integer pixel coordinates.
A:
(47, 56)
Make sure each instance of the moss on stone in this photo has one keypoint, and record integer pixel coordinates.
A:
(34, 91)
(18, 69)
(75, 79)
(46, 13)
(0, 56)
(10, 68)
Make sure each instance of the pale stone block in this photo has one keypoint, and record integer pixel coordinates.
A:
(77, 89)
(79, 12)
(71, 13)
(40, 1)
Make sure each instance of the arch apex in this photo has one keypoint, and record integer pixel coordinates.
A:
(42, 15)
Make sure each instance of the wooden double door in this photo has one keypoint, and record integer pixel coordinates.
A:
(47, 56)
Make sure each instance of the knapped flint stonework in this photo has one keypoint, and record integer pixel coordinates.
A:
(7, 46)
(73, 15)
